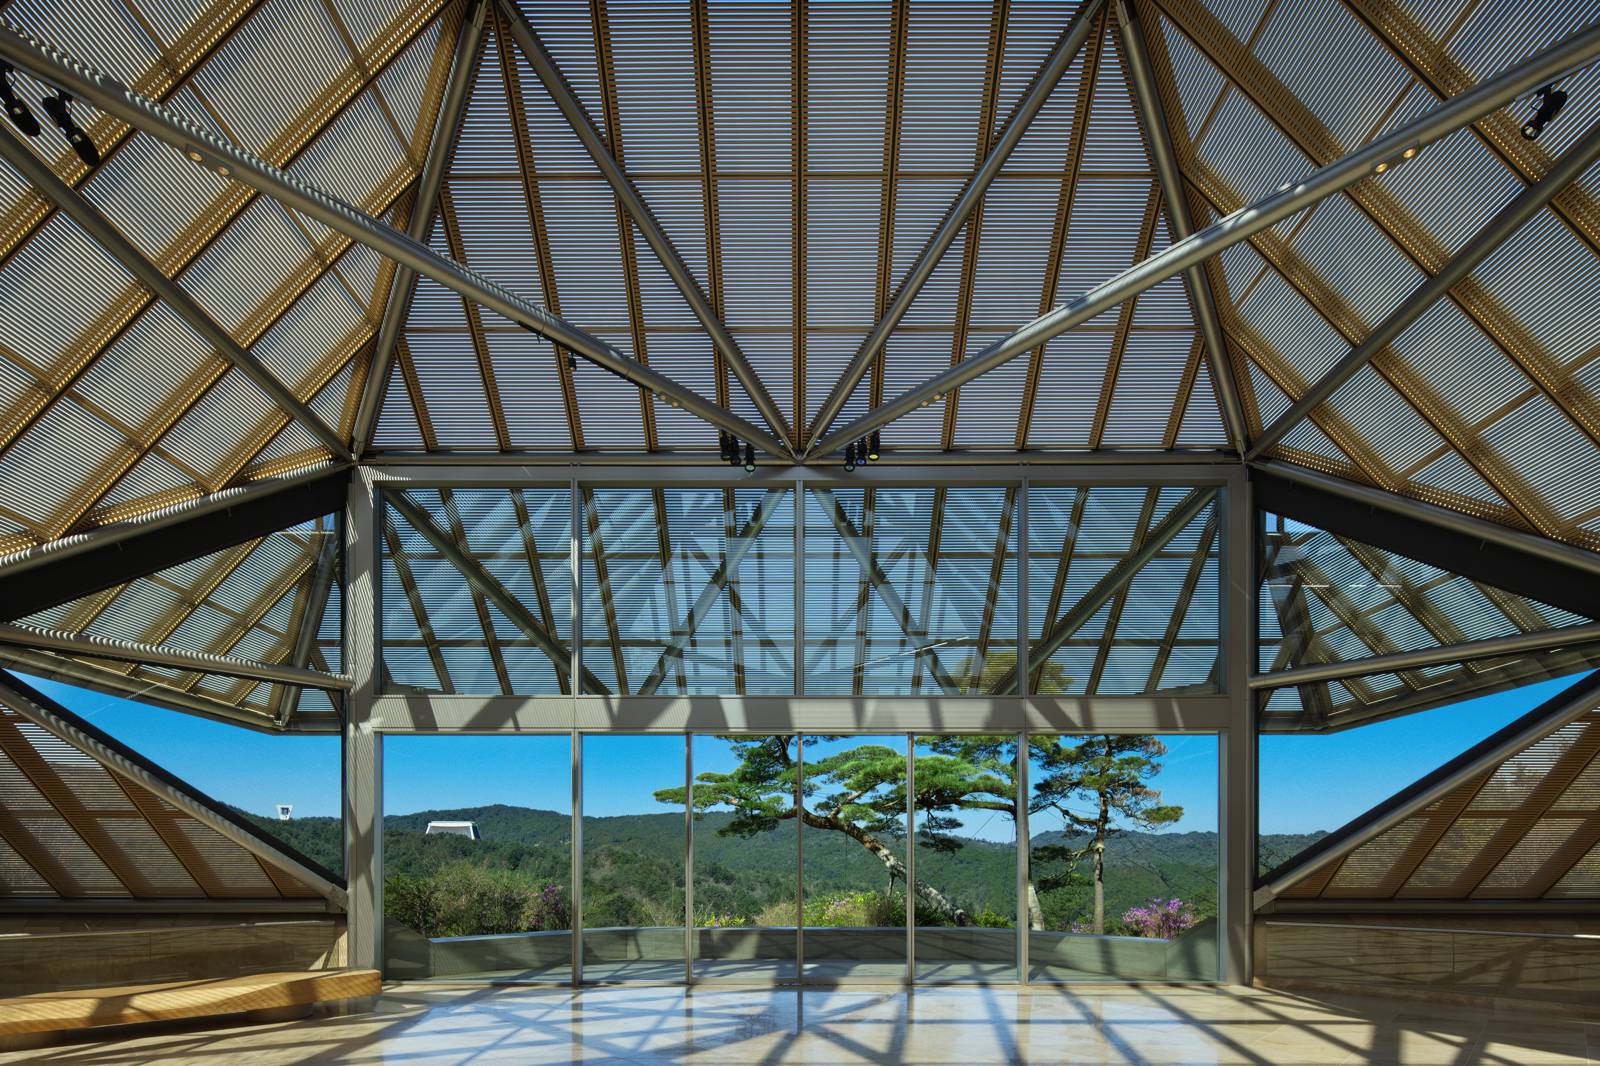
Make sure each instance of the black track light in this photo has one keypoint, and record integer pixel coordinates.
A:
(20, 114)
(725, 447)
(1550, 100)
(849, 457)
(733, 451)
(59, 108)
(872, 447)
(749, 457)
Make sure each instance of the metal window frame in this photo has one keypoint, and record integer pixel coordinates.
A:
(1226, 715)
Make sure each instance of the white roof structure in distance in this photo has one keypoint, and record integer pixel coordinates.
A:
(460, 829)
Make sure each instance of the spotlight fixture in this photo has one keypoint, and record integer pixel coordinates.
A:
(19, 113)
(731, 456)
(1550, 100)
(749, 458)
(849, 457)
(59, 108)
(1389, 164)
(872, 447)
(723, 448)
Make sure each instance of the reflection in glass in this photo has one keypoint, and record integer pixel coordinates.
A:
(1100, 622)
(909, 590)
(477, 868)
(633, 857)
(745, 857)
(443, 634)
(853, 858)
(1117, 887)
(689, 591)
(966, 854)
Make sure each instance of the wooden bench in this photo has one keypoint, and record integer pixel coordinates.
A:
(29, 1021)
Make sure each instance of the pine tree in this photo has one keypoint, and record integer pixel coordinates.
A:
(1111, 772)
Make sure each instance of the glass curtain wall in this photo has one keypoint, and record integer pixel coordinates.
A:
(688, 591)
(965, 857)
(746, 858)
(1123, 871)
(634, 847)
(910, 591)
(477, 860)
(853, 857)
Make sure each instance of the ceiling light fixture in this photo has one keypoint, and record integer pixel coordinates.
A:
(59, 108)
(20, 114)
(1551, 100)
(872, 447)
(749, 458)
(725, 446)
(849, 457)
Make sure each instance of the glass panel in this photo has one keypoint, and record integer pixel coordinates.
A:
(633, 857)
(745, 856)
(1123, 879)
(689, 591)
(443, 634)
(1327, 598)
(910, 590)
(853, 856)
(1313, 783)
(285, 784)
(1094, 634)
(966, 858)
(477, 837)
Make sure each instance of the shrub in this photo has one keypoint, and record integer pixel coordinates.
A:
(1162, 918)
(465, 900)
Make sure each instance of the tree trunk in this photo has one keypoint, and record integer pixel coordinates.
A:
(1035, 912)
(941, 903)
(1099, 845)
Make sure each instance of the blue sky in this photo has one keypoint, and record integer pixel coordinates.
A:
(1307, 782)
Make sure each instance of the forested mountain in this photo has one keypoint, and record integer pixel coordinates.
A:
(633, 870)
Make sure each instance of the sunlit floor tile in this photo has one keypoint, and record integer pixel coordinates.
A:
(423, 1025)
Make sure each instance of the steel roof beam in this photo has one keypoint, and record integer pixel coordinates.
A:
(1044, 82)
(634, 205)
(1499, 229)
(204, 148)
(70, 729)
(447, 128)
(1490, 648)
(95, 646)
(1202, 298)
(1565, 707)
(1387, 151)
(128, 686)
(490, 587)
(1159, 536)
(103, 232)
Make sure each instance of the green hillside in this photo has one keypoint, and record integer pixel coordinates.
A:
(633, 869)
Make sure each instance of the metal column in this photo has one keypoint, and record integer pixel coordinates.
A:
(1236, 759)
(363, 746)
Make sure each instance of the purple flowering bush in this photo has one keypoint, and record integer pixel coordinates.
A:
(1160, 918)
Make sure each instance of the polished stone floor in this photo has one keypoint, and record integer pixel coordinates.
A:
(416, 1024)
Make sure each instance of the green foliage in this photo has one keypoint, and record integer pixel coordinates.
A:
(466, 900)
(752, 878)
(318, 839)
